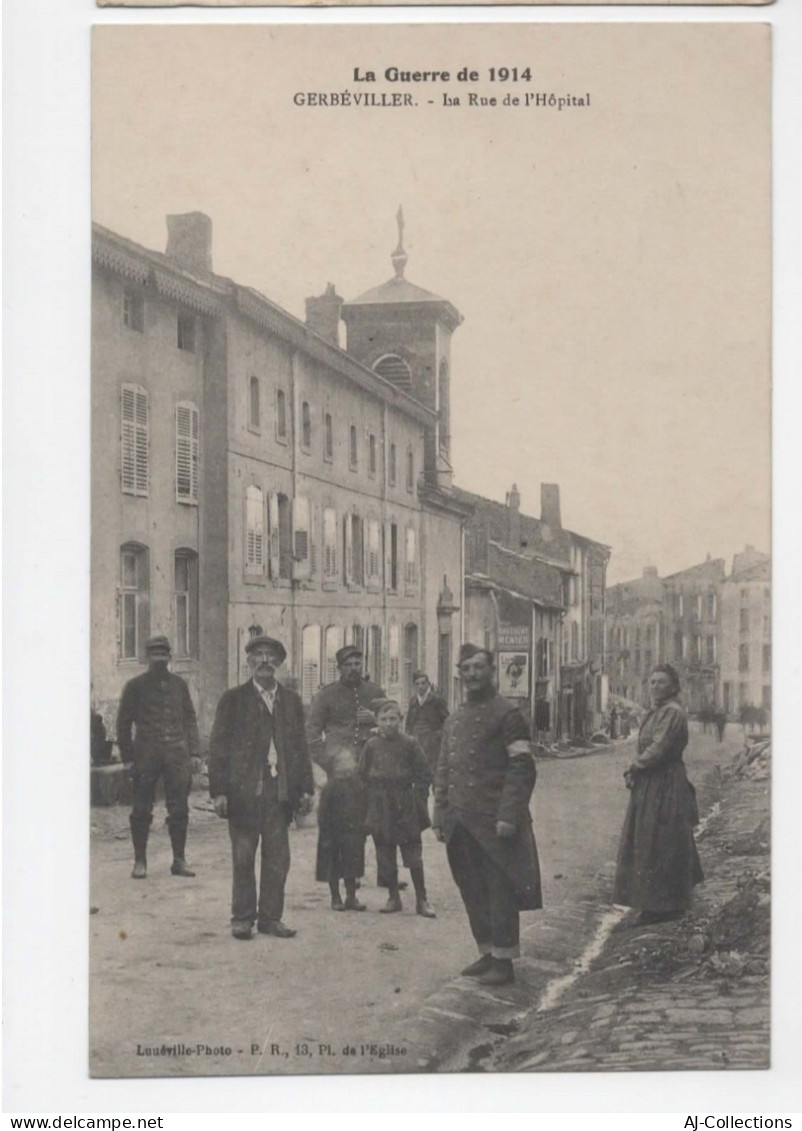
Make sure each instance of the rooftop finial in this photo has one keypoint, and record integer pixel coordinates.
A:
(399, 256)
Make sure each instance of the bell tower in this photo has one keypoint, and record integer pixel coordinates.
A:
(403, 333)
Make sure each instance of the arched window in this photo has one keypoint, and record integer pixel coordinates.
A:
(254, 414)
(394, 368)
(444, 402)
(254, 530)
(134, 605)
(185, 603)
(306, 425)
(281, 414)
(328, 450)
(310, 661)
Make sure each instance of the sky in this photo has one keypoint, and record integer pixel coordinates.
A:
(611, 262)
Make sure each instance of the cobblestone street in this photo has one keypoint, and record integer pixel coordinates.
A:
(374, 993)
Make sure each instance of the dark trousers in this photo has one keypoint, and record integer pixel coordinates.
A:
(173, 763)
(273, 830)
(489, 897)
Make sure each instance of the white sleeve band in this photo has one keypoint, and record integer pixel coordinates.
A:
(520, 746)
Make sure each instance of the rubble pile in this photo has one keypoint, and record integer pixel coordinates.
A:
(754, 761)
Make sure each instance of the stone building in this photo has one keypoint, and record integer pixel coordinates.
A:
(534, 592)
(635, 634)
(691, 610)
(745, 634)
(249, 472)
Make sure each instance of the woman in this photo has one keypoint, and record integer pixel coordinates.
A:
(658, 864)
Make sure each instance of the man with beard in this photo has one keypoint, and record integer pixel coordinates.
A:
(260, 775)
(485, 777)
(157, 706)
(339, 724)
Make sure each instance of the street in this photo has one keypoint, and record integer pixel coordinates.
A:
(173, 994)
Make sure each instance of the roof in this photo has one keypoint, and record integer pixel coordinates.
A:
(712, 568)
(758, 571)
(398, 291)
(522, 577)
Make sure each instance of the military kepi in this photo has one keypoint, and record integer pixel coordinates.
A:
(347, 652)
(468, 651)
(157, 644)
(267, 642)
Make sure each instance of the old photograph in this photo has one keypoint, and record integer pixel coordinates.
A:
(431, 598)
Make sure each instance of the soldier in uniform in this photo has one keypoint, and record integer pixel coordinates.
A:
(485, 777)
(158, 707)
(338, 726)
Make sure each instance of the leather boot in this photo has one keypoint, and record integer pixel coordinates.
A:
(140, 826)
(178, 839)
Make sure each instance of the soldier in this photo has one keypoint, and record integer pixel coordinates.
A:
(166, 741)
(485, 777)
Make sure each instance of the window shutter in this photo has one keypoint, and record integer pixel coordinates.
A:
(274, 544)
(388, 564)
(134, 440)
(301, 537)
(330, 542)
(348, 549)
(314, 534)
(254, 531)
(187, 430)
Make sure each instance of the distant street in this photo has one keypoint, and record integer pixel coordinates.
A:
(168, 975)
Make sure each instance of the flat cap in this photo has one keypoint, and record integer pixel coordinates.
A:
(267, 642)
(157, 644)
(347, 652)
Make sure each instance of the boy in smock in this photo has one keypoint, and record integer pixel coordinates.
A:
(397, 778)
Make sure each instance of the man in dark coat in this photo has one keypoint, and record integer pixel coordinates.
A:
(485, 777)
(426, 714)
(339, 724)
(259, 776)
(157, 707)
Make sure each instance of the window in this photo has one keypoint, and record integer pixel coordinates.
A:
(284, 528)
(766, 657)
(766, 697)
(393, 571)
(743, 658)
(187, 452)
(635, 662)
(353, 450)
(306, 426)
(134, 455)
(329, 542)
(254, 530)
(333, 643)
(678, 650)
(711, 606)
(374, 551)
(395, 369)
(744, 594)
(726, 690)
(185, 603)
(392, 469)
(767, 626)
(302, 549)
(410, 656)
(637, 634)
(185, 337)
(743, 694)
(281, 414)
(394, 654)
(373, 654)
(134, 612)
(133, 311)
(680, 605)
(411, 565)
(575, 645)
(711, 650)
(647, 660)
(410, 470)
(353, 549)
(310, 661)
(254, 408)
(698, 606)
(744, 621)
(372, 455)
(328, 449)
(355, 634)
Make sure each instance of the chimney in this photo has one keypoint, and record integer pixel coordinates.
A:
(323, 314)
(550, 505)
(189, 242)
(513, 503)
(514, 498)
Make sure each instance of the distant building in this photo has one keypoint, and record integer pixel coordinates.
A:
(250, 473)
(691, 612)
(745, 651)
(534, 593)
(636, 636)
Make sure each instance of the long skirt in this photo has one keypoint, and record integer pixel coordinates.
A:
(658, 864)
(341, 831)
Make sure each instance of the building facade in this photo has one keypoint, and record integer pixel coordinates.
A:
(635, 634)
(249, 473)
(745, 651)
(692, 607)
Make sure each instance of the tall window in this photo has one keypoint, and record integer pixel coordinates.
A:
(310, 661)
(353, 449)
(394, 654)
(284, 537)
(185, 333)
(743, 657)
(374, 551)
(329, 542)
(134, 454)
(133, 311)
(711, 606)
(187, 452)
(254, 407)
(355, 634)
(711, 651)
(134, 611)
(357, 550)
(306, 426)
(744, 620)
(372, 458)
(411, 565)
(185, 602)
(333, 642)
(281, 414)
(410, 656)
(328, 450)
(373, 654)
(698, 606)
(392, 466)
(393, 578)
(410, 470)
(575, 645)
(302, 547)
(254, 530)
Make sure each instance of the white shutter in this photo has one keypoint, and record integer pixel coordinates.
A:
(348, 548)
(187, 430)
(254, 530)
(330, 542)
(301, 533)
(274, 545)
(314, 535)
(134, 440)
